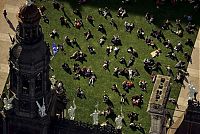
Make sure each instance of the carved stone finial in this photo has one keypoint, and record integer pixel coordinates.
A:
(29, 2)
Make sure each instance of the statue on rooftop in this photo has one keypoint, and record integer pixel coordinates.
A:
(192, 91)
(8, 101)
(118, 120)
(95, 115)
(29, 2)
(71, 111)
(41, 109)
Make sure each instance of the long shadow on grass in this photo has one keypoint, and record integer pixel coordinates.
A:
(143, 6)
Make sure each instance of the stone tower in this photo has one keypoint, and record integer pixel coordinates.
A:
(157, 104)
(29, 74)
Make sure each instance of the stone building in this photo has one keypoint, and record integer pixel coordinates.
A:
(35, 108)
(157, 104)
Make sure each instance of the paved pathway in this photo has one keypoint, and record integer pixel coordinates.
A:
(194, 78)
(12, 7)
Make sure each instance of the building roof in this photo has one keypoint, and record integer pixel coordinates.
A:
(28, 13)
(159, 94)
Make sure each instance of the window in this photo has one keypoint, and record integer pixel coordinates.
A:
(24, 106)
(38, 83)
(25, 85)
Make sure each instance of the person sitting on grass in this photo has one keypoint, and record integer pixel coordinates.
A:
(156, 53)
(168, 44)
(122, 13)
(80, 93)
(54, 34)
(173, 101)
(74, 42)
(129, 26)
(105, 98)
(100, 11)
(91, 49)
(153, 45)
(179, 32)
(169, 71)
(106, 65)
(116, 71)
(88, 35)
(77, 12)
(113, 23)
(88, 72)
(157, 34)
(131, 61)
(167, 25)
(78, 23)
(79, 56)
(106, 12)
(115, 89)
(148, 64)
(130, 73)
(189, 42)
(172, 55)
(179, 47)
(153, 77)
(143, 85)
(67, 40)
(137, 100)
(76, 67)
(127, 85)
(109, 112)
(148, 40)
(101, 29)
(191, 28)
(132, 51)
(124, 99)
(116, 51)
(180, 65)
(109, 50)
(92, 79)
(61, 47)
(56, 5)
(140, 33)
(149, 18)
(180, 77)
(123, 61)
(90, 19)
(62, 20)
(116, 40)
(102, 40)
(66, 67)
(187, 57)
(133, 116)
(45, 18)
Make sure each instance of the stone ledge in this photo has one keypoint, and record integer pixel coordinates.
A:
(4, 68)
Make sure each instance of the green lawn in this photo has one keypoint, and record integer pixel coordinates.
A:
(105, 79)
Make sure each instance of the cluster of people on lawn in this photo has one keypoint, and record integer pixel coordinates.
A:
(152, 66)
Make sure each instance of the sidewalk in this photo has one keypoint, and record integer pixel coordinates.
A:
(12, 7)
(194, 78)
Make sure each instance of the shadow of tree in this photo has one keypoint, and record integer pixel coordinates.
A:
(165, 11)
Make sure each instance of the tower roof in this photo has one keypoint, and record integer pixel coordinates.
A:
(28, 13)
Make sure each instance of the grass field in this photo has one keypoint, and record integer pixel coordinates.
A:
(105, 79)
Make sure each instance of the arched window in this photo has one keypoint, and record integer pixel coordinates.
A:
(38, 83)
(24, 106)
(25, 85)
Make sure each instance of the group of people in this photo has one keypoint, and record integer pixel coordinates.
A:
(150, 64)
